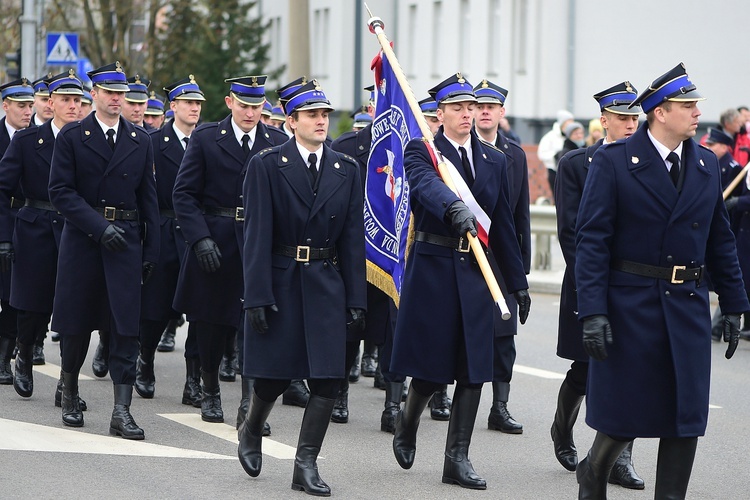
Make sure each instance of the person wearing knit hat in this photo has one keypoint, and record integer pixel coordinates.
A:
(574, 139)
(596, 131)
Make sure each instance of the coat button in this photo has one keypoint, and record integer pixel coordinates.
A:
(104, 201)
(667, 293)
(695, 225)
(325, 264)
(308, 240)
(445, 204)
(124, 176)
(462, 259)
(669, 258)
(307, 264)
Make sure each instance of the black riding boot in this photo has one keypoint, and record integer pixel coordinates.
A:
(568, 404)
(673, 467)
(623, 472)
(314, 426)
(122, 423)
(191, 394)
(247, 390)
(72, 415)
(211, 403)
(340, 413)
(457, 468)
(251, 435)
(593, 471)
(145, 378)
(407, 423)
(500, 418)
(100, 364)
(392, 406)
(23, 382)
(6, 351)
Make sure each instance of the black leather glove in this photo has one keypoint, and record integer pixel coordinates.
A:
(731, 333)
(257, 317)
(7, 256)
(731, 202)
(112, 239)
(208, 253)
(357, 323)
(524, 305)
(596, 331)
(461, 218)
(146, 271)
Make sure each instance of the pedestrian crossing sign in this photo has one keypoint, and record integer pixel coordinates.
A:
(62, 48)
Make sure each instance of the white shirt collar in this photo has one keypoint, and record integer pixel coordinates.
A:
(467, 147)
(664, 151)
(238, 133)
(287, 131)
(180, 136)
(39, 122)
(106, 127)
(10, 129)
(55, 130)
(305, 154)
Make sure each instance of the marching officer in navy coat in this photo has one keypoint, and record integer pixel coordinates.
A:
(444, 331)
(169, 143)
(30, 238)
(651, 218)
(102, 182)
(304, 265)
(207, 200)
(489, 111)
(18, 97)
(620, 121)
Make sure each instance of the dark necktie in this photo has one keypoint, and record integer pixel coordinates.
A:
(313, 168)
(674, 172)
(186, 140)
(246, 144)
(467, 166)
(111, 138)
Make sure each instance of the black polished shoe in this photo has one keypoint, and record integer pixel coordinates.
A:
(38, 356)
(166, 343)
(227, 372)
(623, 473)
(211, 410)
(501, 420)
(457, 468)
(191, 394)
(379, 382)
(6, 349)
(355, 371)
(314, 426)
(440, 406)
(296, 394)
(100, 364)
(122, 422)
(368, 365)
(145, 379)
(58, 395)
(250, 435)
(392, 407)
(23, 382)
(247, 391)
(340, 414)
(72, 415)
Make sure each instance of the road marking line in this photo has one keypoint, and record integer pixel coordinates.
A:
(23, 436)
(229, 433)
(537, 372)
(53, 371)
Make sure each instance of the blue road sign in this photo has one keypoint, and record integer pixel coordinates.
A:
(62, 48)
(84, 66)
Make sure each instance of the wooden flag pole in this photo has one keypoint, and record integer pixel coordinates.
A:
(735, 182)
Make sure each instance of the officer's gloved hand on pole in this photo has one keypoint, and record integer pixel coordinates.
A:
(524, 304)
(596, 331)
(357, 323)
(731, 333)
(257, 317)
(208, 253)
(461, 218)
(146, 271)
(731, 202)
(112, 239)
(7, 255)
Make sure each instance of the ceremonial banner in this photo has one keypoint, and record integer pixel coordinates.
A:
(386, 189)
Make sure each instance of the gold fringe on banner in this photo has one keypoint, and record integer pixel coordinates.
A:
(382, 280)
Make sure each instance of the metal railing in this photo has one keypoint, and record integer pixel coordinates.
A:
(543, 226)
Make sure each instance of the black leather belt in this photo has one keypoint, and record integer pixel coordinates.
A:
(41, 205)
(303, 253)
(674, 274)
(457, 244)
(112, 213)
(168, 213)
(16, 202)
(237, 213)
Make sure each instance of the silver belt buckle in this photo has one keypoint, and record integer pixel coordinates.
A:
(110, 213)
(463, 245)
(674, 280)
(239, 214)
(303, 254)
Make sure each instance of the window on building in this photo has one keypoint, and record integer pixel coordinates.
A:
(321, 42)
(521, 36)
(410, 64)
(464, 36)
(493, 37)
